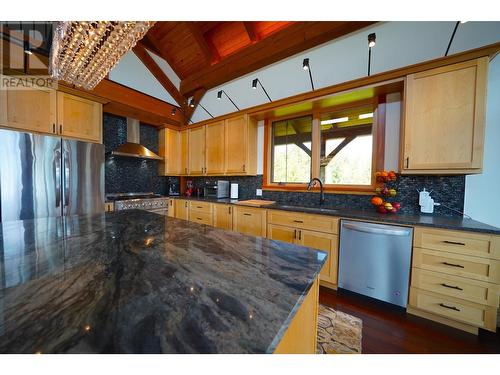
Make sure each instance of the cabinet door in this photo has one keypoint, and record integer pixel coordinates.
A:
(30, 110)
(279, 233)
(171, 207)
(79, 118)
(223, 216)
(184, 167)
(251, 221)
(214, 154)
(181, 209)
(197, 151)
(444, 118)
(327, 243)
(236, 145)
(170, 150)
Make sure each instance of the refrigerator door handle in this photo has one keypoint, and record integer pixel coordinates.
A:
(57, 176)
(66, 168)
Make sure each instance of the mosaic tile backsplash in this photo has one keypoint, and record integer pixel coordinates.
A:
(447, 190)
(128, 175)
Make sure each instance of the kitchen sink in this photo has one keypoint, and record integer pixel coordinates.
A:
(309, 209)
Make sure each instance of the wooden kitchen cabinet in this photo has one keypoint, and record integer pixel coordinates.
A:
(196, 151)
(170, 150)
(214, 148)
(184, 158)
(181, 209)
(250, 220)
(79, 118)
(241, 145)
(444, 119)
(171, 207)
(30, 110)
(223, 216)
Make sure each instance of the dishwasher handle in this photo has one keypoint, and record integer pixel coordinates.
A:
(366, 229)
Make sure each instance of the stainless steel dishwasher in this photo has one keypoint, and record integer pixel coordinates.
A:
(375, 260)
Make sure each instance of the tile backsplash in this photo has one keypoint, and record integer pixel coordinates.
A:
(128, 175)
(447, 190)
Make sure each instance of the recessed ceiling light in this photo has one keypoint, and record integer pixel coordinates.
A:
(334, 120)
(365, 115)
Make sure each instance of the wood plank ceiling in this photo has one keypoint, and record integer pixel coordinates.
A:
(207, 54)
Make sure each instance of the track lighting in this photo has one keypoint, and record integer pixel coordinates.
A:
(254, 86)
(371, 43)
(191, 102)
(174, 111)
(219, 96)
(453, 36)
(306, 66)
(205, 110)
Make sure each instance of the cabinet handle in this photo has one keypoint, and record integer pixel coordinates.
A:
(199, 218)
(449, 307)
(407, 161)
(185, 170)
(229, 209)
(453, 265)
(298, 221)
(300, 234)
(185, 204)
(454, 243)
(295, 234)
(243, 167)
(54, 128)
(199, 207)
(451, 286)
(247, 214)
(60, 129)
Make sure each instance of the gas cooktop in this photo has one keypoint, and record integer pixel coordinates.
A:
(127, 196)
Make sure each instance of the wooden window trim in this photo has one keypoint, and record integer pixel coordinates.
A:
(378, 132)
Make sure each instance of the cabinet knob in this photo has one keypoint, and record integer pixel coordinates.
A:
(54, 128)
(60, 129)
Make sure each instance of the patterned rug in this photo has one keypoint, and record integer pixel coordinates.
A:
(338, 332)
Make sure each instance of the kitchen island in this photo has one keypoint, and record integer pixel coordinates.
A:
(137, 282)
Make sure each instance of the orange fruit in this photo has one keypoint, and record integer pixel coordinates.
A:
(377, 201)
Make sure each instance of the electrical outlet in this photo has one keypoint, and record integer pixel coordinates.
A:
(259, 192)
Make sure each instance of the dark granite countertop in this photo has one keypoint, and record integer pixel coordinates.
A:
(427, 220)
(136, 282)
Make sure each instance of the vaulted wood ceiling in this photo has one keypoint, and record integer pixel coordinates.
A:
(207, 54)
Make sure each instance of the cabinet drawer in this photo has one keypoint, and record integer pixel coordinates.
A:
(249, 220)
(457, 264)
(455, 286)
(201, 217)
(454, 308)
(320, 223)
(200, 206)
(466, 243)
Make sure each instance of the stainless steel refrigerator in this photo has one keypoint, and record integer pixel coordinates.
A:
(42, 176)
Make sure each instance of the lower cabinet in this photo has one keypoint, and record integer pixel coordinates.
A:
(200, 212)
(223, 216)
(171, 207)
(250, 220)
(316, 240)
(181, 209)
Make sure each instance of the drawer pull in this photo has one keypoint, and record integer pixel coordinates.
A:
(454, 243)
(199, 207)
(451, 286)
(453, 265)
(247, 214)
(298, 221)
(199, 218)
(449, 307)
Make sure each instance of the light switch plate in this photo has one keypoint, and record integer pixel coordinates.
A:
(259, 192)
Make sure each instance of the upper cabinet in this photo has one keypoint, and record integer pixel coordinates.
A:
(51, 112)
(444, 119)
(79, 118)
(226, 147)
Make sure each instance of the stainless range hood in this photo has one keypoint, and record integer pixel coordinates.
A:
(133, 148)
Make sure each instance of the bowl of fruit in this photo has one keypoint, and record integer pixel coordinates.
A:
(383, 201)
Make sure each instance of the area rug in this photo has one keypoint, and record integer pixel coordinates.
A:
(338, 332)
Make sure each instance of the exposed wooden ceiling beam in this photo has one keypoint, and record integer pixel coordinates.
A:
(160, 76)
(200, 41)
(155, 46)
(287, 42)
(250, 31)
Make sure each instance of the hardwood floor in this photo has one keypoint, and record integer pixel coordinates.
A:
(389, 330)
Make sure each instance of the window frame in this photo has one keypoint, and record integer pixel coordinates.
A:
(378, 148)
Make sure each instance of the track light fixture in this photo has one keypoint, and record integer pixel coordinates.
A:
(453, 36)
(306, 66)
(254, 86)
(205, 110)
(219, 96)
(191, 102)
(372, 40)
(174, 111)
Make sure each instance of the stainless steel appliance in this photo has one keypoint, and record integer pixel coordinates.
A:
(43, 176)
(217, 189)
(375, 260)
(142, 201)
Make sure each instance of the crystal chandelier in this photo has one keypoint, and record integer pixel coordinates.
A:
(84, 52)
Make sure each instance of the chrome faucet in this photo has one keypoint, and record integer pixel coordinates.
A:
(312, 183)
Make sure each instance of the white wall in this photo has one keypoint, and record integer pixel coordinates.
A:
(482, 192)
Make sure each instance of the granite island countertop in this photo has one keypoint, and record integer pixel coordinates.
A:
(426, 220)
(136, 282)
